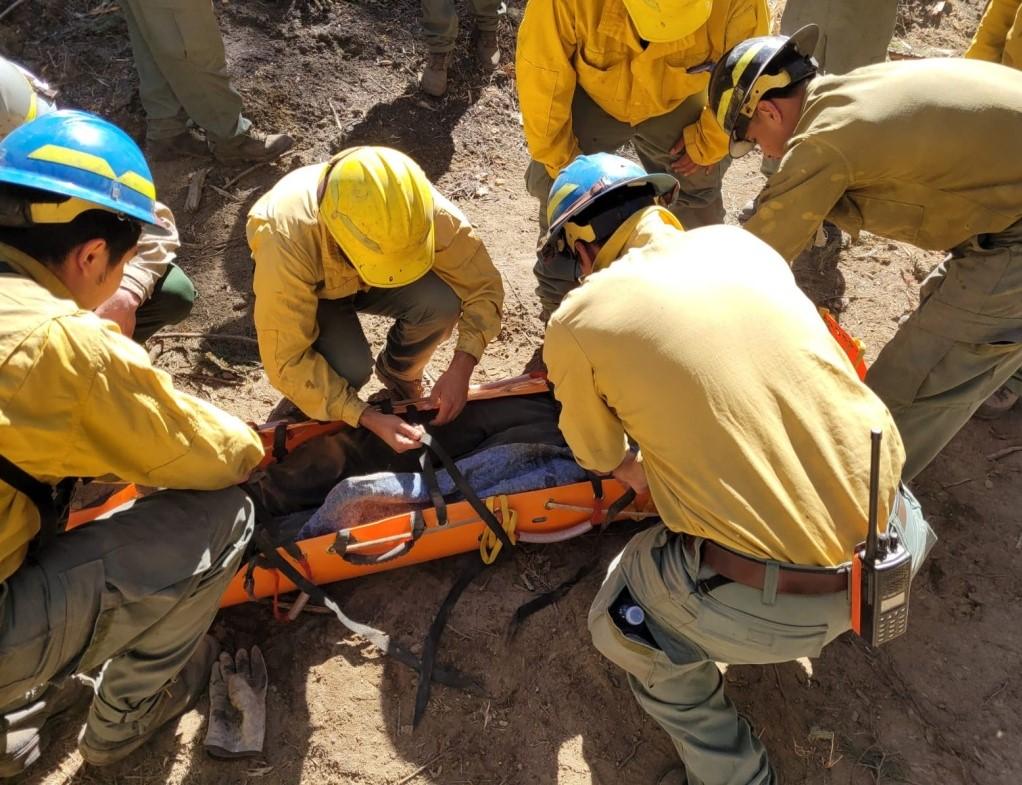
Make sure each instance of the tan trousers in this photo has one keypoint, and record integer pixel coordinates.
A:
(182, 71)
(961, 344)
(440, 21)
(136, 592)
(674, 676)
(853, 33)
(699, 201)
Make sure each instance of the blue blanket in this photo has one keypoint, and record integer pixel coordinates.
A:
(506, 468)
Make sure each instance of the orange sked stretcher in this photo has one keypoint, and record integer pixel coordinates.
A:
(541, 516)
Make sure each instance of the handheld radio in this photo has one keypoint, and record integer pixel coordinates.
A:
(881, 571)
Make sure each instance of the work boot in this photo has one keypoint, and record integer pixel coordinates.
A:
(179, 695)
(185, 145)
(997, 405)
(399, 389)
(434, 76)
(252, 147)
(487, 49)
(26, 729)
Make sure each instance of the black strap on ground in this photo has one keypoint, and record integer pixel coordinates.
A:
(547, 598)
(466, 490)
(436, 629)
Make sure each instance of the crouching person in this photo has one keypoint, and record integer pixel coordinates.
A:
(130, 596)
(754, 444)
(368, 233)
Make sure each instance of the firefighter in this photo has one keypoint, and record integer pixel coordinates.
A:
(879, 150)
(753, 437)
(594, 75)
(366, 232)
(131, 596)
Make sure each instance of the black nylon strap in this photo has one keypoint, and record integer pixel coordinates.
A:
(51, 501)
(435, 497)
(466, 490)
(547, 598)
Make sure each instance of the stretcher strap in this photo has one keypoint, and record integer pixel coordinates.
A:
(377, 638)
(464, 488)
(51, 501)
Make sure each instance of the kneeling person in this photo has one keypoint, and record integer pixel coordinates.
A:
(754, 444)
(368, 233)
(132, 595)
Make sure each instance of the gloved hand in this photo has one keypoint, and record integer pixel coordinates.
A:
(237, 705)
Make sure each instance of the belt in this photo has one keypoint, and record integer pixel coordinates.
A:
(791, 578)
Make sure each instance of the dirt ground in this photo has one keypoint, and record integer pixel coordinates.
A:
(939, 706)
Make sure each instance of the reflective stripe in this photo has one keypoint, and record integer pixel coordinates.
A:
(78, 159)
(744, 60)
(33, 107)
(722, 107)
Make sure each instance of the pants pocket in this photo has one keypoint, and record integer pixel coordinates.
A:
(742, 638)
(630, 651)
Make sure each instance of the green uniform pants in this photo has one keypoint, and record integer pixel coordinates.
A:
(699, 201)
(692, 626)
(961, 344)
(425, 312)
(170, 303)
(440, 21)
(853, 33)
(136, 591)
(182, 71)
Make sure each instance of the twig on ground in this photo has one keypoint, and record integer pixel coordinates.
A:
(996, 456)
(195, 185)
(10, 8)
(218, 336)
(957, 483)
(627, 758)
(238, 177)
(337, 117)
(421, 768)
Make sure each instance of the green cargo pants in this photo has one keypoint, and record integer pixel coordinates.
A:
(425, 312)
(135, 591)
(182, 70)
(440, 21)
(171, 302)
(676, 680)
(699, 201)
(853, 33)
(961, 344)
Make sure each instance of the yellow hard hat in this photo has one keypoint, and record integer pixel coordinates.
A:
(661, 21)
(378, 205)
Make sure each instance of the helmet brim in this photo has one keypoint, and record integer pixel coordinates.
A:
(62, 187)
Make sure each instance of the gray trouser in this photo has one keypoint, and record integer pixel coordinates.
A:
(961, 344)
(136, 591)
(853, 33)
(425, 312)
(182, 70)
(699, 201)
(676, 680)
(440, 21)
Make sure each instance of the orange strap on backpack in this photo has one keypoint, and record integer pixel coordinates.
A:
(853, 347)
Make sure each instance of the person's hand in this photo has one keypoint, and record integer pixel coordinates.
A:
(451, 390)
(631, 472)
(682, 163)
(120, 309)
(400, 435)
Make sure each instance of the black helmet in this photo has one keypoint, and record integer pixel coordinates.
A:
(752, 68)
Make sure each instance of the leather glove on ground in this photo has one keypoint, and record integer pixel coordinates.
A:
(237, 705)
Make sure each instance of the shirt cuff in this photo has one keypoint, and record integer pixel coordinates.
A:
(471, 343)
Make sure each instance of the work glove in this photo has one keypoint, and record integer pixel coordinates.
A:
(237, 705)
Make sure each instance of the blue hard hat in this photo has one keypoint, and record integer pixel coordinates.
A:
(79, 155)
(587, 178)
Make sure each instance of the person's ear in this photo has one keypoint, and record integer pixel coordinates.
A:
(586, 254)
(90, 258)
(768, 112)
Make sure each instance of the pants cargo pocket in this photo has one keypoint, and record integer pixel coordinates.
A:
(627, 649)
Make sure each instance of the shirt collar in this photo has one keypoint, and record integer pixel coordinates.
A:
(35, 270)
(634, 232)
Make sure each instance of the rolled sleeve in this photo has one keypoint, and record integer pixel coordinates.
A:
(593, 432)
(463, 262)
(153, 256)
(286, 302)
